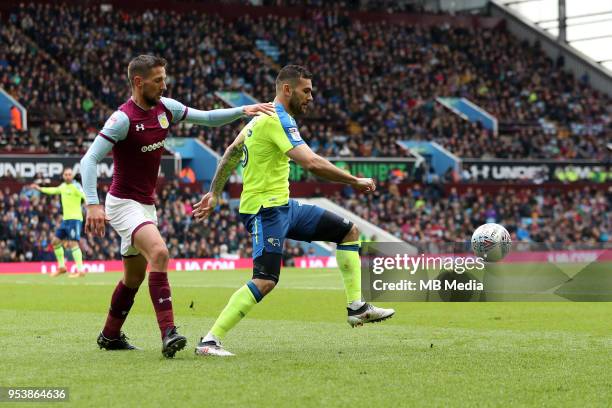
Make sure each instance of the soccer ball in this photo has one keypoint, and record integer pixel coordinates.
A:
(491, 242)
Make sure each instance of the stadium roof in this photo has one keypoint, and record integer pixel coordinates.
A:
(588, 24)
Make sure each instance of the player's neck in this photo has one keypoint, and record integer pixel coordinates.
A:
(140, 102)
(285, 105)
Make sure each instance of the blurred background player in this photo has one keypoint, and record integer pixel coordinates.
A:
(265, 146)
(136, 133)
(69, 233)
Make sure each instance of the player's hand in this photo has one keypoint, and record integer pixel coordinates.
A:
(365, 185)
(205, 207)
(35, 186)
(95, 220)
(259, 109)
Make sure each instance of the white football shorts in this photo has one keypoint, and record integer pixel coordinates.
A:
(126, 217)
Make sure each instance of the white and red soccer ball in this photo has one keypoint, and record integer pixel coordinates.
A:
(491, 242)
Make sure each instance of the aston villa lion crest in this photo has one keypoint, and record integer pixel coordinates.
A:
(163, 120)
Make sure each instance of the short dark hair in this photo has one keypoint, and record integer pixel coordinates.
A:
(142, 64)
(292, 74)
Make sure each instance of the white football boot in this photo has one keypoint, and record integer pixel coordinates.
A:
(211, 348)
(368, 314)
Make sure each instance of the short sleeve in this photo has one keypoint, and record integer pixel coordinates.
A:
(116, 127)
(286, 134)
(177, 109)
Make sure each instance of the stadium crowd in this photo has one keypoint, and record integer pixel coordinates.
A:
(375, 82)
(29, 220)
(559, 219)
(61, 108)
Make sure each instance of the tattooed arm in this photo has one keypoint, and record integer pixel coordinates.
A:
(230, 160)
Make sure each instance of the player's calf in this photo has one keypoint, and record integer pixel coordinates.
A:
(159, 290)
(121, 303)
(266, 270)
(349, 263)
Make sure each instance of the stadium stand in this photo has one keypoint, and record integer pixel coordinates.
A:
(382, 89)
(62, 109)
(560, 219)
(29, 220)
(375, 83)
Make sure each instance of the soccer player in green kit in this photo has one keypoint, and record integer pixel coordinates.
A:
(264, 147)
(69, 232)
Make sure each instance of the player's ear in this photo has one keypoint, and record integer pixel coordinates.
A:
(138, 81)
(287, 89)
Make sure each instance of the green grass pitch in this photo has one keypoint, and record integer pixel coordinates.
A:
(296, 349)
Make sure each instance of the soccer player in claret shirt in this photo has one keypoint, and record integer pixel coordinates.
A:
(69, 233)
(264, 146)
(136, 133)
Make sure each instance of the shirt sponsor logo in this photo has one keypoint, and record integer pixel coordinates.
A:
(295, 134)
(153, 146)
(163, 120)
(140, 127)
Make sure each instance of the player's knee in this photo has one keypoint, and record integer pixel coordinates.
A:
(264, 286)
(266, 271)
(352, 235)
(159, 256)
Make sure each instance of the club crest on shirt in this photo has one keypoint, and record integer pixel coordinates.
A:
(163, 120)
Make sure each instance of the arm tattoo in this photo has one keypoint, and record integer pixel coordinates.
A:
(230, 160)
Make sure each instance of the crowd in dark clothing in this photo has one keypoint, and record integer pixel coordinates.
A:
(29, 221)
(424, 214)
(561, 219)
(374, 83)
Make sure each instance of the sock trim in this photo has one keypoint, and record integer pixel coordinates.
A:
(255, 291)
(354, 248)
(359, 311)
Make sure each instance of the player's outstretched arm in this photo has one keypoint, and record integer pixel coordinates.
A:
(46, 190)
(230, 160)
(216, 117)
(220, 117)
(319, 166)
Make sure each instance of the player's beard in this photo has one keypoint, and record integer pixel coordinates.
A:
(296, 107)
(149, 100)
